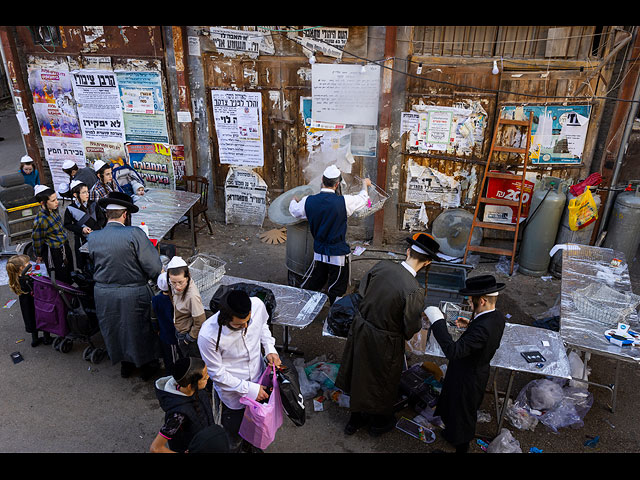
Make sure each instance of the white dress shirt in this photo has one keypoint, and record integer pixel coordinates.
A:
(408, 267)
(351, 203)
(236, 367)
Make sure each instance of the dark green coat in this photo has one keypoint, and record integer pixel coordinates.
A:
(373, 358)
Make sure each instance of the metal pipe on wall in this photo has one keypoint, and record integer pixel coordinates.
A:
(633, 111)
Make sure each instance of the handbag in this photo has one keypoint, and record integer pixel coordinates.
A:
(261, 421)
(292, 399)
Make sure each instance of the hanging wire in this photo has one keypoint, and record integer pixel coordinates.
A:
(487, 90)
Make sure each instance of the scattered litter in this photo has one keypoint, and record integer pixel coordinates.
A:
(508, 315)
(483, 417)
(416, 430)
(358, 251)
(483, 444)
(592, 442)
(610, 424)
(10, 303)
(535, 450)
(504, 265)
(20, 341)
(504, 443)
(318, 403)
(548, 277)
(339, 397)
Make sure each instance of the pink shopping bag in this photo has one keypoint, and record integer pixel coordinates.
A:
(261, 421)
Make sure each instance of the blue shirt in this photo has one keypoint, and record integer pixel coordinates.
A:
(32, 179)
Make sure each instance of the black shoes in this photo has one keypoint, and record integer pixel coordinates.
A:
(126, 369)
(356, 422)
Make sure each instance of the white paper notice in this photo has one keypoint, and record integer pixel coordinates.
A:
(345, 93)
(98, 102)
(238, 120)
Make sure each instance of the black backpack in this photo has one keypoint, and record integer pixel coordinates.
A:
(292, 399)
(342, 313)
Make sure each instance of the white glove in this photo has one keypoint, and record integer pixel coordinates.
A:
(433, 314)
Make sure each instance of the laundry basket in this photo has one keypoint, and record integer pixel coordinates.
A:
(206, 270)
(377, 197)
(453, 311)
(604, 304)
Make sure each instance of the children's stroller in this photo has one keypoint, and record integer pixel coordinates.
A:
(124, 176)
(67, 312)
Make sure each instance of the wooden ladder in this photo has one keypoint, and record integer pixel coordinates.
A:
(500, 201)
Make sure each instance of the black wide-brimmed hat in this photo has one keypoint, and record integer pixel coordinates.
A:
(426, 243)
(118, 198)
(481, 285)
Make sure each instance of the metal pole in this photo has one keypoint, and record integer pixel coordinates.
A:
(621, 151)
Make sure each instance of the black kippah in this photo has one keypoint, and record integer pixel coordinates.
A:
(238, 303)
(181, 367)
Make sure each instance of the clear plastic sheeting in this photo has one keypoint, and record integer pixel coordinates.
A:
(162, 209)
(295, 307)
(581, 269)
(518, 339)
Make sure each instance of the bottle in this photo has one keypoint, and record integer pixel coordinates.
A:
(144, 228)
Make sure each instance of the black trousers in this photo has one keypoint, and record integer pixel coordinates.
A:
(60, 260)
(336, 279)
(231, 420)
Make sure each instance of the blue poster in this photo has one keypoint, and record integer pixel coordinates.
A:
(558, 132)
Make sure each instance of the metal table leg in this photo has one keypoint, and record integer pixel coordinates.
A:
(501, 411)
(193, 231)
(285, 347)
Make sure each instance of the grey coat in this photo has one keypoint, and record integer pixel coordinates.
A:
(125, 260)
(373, 357)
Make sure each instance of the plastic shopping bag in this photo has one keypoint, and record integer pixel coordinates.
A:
(261, 421)
(582, 211)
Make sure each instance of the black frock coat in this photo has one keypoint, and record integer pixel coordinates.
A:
(467, 373)
(373, 358)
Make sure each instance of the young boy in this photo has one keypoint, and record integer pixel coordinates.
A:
(29, 172)
(163, 310)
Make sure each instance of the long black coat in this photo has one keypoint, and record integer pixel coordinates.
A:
(372, 360)
(467, 373)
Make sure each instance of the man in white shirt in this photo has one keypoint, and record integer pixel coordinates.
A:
(230, 343)
(327, 213)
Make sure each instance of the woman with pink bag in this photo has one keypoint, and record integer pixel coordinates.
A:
(231, 343)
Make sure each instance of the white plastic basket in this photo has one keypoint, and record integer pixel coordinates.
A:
(453, 311)
(206, 270)
(604, 304)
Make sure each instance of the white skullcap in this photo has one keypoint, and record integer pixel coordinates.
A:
(176, 262)
(74, 184)
(63, 187)
(331, 172)
(162, 282)
(26, 159)
(68, 164)
(98, 165)
(40, 188)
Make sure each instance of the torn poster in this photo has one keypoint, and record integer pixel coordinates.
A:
(229, 41)
(415, 219)
(426, 184)
(345, 93)
(109, 152)
(336, 37)
(558, 132)
(245, 197)
(238, 121)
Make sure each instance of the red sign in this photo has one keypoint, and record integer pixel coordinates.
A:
(508, 190)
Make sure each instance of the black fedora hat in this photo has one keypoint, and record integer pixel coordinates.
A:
(119, 198)
(481, 285)
(426, 243)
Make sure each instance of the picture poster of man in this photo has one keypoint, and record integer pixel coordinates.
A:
(154, 163)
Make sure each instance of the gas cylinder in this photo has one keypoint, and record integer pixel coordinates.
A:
(566, 235)
(541, 229)
(623, 230)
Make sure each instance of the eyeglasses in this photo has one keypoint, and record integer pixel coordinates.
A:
(179, 283)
